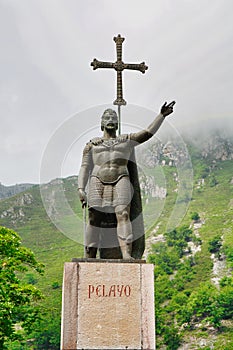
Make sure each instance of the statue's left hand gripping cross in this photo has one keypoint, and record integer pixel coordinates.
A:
(119, 66)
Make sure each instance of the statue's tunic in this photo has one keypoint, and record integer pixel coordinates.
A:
(104, 195)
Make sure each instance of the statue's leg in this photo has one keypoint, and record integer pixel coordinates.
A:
(124, 230)
(92, 233)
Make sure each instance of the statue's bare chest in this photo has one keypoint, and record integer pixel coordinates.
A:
(110, 149)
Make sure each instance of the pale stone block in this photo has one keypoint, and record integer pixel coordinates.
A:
(111, 306)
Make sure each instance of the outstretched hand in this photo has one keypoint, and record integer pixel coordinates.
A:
(167, 109)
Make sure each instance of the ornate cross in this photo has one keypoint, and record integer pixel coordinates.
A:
(119, 66)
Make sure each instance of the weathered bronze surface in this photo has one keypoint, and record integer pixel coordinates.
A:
(109, 168)
(119, 66)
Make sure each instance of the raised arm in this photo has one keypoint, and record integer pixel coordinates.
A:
(84, 173)
(146, 134)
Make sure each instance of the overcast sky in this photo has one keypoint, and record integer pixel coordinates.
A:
(46, 78)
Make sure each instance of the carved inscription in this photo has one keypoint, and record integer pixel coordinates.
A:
(115, 290)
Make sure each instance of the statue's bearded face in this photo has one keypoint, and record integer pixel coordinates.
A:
(109, 120)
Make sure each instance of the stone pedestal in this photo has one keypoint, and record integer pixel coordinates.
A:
(108, 304)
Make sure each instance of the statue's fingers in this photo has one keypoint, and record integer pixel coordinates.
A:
(171, 104)
(164, 105)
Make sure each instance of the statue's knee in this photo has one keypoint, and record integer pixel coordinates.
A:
(129, 238)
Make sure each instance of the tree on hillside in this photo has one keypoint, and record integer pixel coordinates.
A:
(215, 244)
(195, 216)
(18, 310)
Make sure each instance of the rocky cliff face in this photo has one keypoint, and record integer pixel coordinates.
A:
(218, 147)
(16, 212)
(172, 152)
(215, 146)
(9, 191)
(181, 153)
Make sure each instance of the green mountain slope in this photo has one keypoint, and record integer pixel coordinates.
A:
(187, 269)
(25, 214)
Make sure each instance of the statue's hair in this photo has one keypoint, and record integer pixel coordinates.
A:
(108, 111)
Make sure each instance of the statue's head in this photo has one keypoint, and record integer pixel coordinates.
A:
(109, 120)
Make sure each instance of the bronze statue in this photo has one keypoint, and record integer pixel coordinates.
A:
(107, 168)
